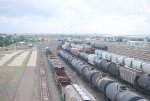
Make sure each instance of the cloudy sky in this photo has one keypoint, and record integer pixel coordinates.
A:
(75, 16)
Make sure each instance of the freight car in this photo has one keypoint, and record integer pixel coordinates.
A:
(112, 90)
(55, 63)
(62, 80)
(84, 56)
(91, 58)
(77, 92)
(101, 47)
(59, 73)
(47, 51)
(75, 51)
(126, 69)
(88, 49)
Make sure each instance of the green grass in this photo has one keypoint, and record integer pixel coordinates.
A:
(17, 71)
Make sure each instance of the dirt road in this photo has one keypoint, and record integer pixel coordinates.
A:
(19, 60)
(33, 58)
(7, 57)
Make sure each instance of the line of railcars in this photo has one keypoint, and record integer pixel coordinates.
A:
(99, 46)
(85, 48)
(128, 70)
(67, 90)
(112, 90)
(61, 77)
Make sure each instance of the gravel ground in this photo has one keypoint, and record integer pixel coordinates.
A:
(33, 58)
(7, 57)
(19, 60)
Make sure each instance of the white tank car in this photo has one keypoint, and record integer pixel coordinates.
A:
(91, 58)
(77, 92)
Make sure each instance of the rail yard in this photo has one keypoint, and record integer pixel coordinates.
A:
(65, 70)
(74, 50)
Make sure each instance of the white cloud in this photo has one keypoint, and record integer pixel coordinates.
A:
(76, 16)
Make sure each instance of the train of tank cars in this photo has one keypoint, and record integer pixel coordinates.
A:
(128, 70)
(68, 91)
(116, 65)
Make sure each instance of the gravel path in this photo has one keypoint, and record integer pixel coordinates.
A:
(19, 60)
(7, 57)
(33, 58)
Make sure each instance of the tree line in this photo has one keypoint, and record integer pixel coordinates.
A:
(6, 40)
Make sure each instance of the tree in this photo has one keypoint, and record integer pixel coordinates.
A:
(1, 43)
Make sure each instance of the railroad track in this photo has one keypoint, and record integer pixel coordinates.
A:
(75, 78)
(138, 53)
(113, 78)
(44, 88)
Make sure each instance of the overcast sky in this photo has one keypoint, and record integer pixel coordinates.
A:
(75, 16)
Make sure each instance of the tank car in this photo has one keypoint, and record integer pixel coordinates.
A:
(83, 56)
(127, 95)
(143, 83)
(101, 47)
(91, 58)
